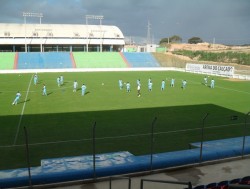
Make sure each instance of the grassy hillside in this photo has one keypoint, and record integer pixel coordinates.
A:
(225, 57)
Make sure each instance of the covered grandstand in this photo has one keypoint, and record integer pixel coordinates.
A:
(60, 37)
(60, 46)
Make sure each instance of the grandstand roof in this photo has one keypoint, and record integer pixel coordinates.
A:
(63, 31)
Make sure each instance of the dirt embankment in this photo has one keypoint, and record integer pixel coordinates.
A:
(169, 59)
(208, 47)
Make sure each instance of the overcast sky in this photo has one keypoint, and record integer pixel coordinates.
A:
(222, 21)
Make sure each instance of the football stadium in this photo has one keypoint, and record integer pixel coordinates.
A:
(71, 108)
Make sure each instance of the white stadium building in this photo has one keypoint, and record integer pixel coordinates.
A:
(60, 37)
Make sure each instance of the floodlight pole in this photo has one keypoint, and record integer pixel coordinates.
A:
(202, 135)
(152, 143)
(30, 14)
(244, 135)
(27, 155)
(148, 34)
(25, 34)
(93, 17)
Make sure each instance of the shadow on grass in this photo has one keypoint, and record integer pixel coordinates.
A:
(71, 134)
(24, 101)
(50, 93)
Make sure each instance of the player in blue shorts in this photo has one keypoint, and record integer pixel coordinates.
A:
(58, 81)
(61, 80)
(138, 82)
(35, 79)
(184, 84)
(44, 90)
(205, 80)
(212, 84)
(17, 98)
(138, 90)
(150, 85)
(128, 87)
(120, 84)
(75, 85)
(172, 82)
(149, 80)
(162, 85)
(83, 89)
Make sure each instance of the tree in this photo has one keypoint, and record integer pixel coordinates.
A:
(164, 40)
(175, 39)
(195, 40)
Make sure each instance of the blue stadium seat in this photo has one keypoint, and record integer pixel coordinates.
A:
(46, 60)
(140, 59)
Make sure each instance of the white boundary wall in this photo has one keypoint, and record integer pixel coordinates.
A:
(216, 70)
(236, 76)
(91, 70)
(209, 69)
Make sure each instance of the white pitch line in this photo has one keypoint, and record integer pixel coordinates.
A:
(246, 92)
(234, 90)
(21, 116)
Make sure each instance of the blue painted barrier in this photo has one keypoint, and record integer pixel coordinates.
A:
(81, 167)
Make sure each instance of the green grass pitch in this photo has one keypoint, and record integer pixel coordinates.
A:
(61, 124)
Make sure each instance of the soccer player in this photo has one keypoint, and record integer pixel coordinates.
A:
(128, 87)
(150, 85)
(35, 79)
(138, 82)
(172, 82)
(205, 80)
(120, 84)
(58, 82)
(83, 89)
(212, 83)
(44, 90)
(184, 84)
(138, 90)
(162, 85)
(17, 98)
(149, 80)
(61, 80)
(75, 85)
